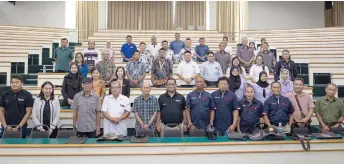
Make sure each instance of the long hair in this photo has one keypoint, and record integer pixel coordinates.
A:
(82, 56)
(262, 61)
(95, 69)
(41, 94)
(78, 72)
(239, 65)
(120, 67)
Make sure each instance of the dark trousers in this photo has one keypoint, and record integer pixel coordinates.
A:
(87, 134)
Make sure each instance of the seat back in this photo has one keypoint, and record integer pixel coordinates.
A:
(12, 134)
(35, 133)
(144, 132)
(197, 133)
(66, 133)
(172, 132)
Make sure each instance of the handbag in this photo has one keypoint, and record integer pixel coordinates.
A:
(258, 133)
(302, 114)
(303, 135)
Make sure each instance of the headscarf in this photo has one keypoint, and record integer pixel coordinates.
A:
(76, 77)
(234, 81)
(261, 83)
(282, 80)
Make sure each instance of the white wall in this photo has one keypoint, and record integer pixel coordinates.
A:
(284, 15)
(33, 13)
(212, 15)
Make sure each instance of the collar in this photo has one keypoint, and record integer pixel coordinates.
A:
(252, 102)
(16, 92)
(301, 95)
(245, 47)
(274, 96)
(91, 94)
(334, 99)
(118, 98)
(128, 43)
(149, 97)
(221, 92)
(175, 94)
(154, 44)
(209, 62)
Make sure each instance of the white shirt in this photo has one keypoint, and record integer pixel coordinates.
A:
(187, 70)
(255, 70)
(153, 49)
(169, 54)
(229, 50)
(116, 108)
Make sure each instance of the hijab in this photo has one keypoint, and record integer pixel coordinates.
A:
(76, 77)
(234, 81)
(261, 83)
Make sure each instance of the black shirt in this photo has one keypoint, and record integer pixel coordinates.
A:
(15, 104)
(46, 113)
(250, 114)
(171, 108)
(290, 66)
(278, 109)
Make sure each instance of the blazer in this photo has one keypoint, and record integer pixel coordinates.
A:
(37, 112)
(291, 67)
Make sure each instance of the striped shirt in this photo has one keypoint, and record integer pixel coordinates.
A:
(146, 108)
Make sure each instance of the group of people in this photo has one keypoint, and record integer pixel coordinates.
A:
(236, 105)
(222, 108)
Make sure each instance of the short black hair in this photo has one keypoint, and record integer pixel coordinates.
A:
(18, 77)
(64, 39)
(162, 49)
(128, 36)
(188, 39)
(201, 39)
(120, 67)
(299, 79)
(225, 37)
(187, 51)
(175, 81)
(164, 41)
(333, 84)
(136, 51)
(262, 39)
(221, 43)
(210, 52)
(143, 43)
(276, 82)
(285, 51)
(223, 78)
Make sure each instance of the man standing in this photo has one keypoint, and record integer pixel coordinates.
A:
(161, 70)
(278, 109)
(286, 63)
(153, 47)
(200, 107)
(15, 107)
(228, 48)
(136, 70)
(146, 108)
(116, 109)
(86, 107)
(250, 111)
(106, 67)
(91, 55)
(187, 70)
(146, 57)
(211, 70)
(63, 56)
(223, 58)
(128, 49)
(245, 54)
(226, 115)
(269, 59)
(302, 103)
(201, 51)
(188, 44)
(177, 44)
(329, 109)
(172, 109)
(169, 52)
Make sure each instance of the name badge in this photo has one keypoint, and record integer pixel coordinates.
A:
(193, 98)
(178, 101)
(217, 97)
(20, 99)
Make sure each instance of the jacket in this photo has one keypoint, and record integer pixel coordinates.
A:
(37, 112)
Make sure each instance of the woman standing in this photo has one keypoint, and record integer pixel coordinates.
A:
(237, 83)
(46, 110)
(125, 83)
(262, 88)
(83, 67)
(98, 84)
(286, 84)
(252, 47)
(236, 62)
(71, 85)
(109, 48)
(257, 68)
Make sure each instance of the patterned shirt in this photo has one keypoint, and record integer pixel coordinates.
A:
(136, 69)
(106, 69)
(147, 58)
(146, 108)
(161, 70)
(193, 53)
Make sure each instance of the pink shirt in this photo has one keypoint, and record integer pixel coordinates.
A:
(306, 103)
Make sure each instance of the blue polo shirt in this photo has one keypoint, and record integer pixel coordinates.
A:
(176, 46)
(200, 105)
(201, 51)
(225, 105)
(250, 114)
(128, 50)
(278, 109)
